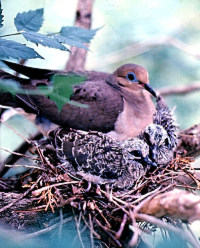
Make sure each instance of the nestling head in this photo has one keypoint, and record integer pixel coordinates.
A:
(133, 77)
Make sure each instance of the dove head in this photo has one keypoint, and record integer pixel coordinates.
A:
(133, 77)
(138, 151)
(156, 135)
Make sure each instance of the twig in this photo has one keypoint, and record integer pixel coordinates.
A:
(186, 235)
(121, 229)
(135, 229)
(15, 131)
(91, 231)
(61, 223)
(24, 165)
(190, 141)
(21, 196)
(14, 157)
(142, 47)
(48, 229)
(78, 228)
(106, 230)
(38, 191)
(19, 154)
(179, 90)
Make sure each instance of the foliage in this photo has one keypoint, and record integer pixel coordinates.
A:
(63, 90)
(9, 48)
(28, 24)
(59, 92)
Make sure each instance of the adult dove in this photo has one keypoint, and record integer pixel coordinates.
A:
(119, 104)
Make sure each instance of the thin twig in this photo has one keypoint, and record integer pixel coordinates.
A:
(186, 235)
(38, 191)
(142, 47)
(91, 231)
(48, 229)
(19, 154)
(106, 230)
(135, 229)
(21, 196)
(78, 228)
(121, 229)
(16, 132)
(179, 90)
(61, 223)
(24, 165)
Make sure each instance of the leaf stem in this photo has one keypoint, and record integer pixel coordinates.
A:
(6, 35)
(53, 33)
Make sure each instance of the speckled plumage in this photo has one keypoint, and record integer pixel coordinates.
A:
(162, 135)
(101, 159)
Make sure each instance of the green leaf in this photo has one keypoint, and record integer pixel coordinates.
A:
(71, 42)
(29, 21)
(44, 40)
(81, 34)
(12, 49)
(1, 17)
(10, 86)
(63, 89)
(75, 36)
(14, 88)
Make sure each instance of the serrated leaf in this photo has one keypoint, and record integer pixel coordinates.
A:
(71, 42)
(76, 36)
(63, 89)
(1, 17)
(44, 40)
(12, 49)
(29, 21)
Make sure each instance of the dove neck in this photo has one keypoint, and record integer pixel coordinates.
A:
(136, 115)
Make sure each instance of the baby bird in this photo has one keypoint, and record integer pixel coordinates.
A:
(159, 144)
(162, 135)
(101, 159)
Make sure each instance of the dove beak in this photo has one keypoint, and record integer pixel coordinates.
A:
(148, 88)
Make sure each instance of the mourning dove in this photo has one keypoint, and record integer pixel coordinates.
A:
(119, 104)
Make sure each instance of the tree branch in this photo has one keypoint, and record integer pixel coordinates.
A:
(181, 90)
(176, 203)
(190, 141)
(77, 57)
(144, 46)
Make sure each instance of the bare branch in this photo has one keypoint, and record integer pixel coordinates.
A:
(190, 141)
(185, 234)
(176, 203)
(179, 90)
(20, 196)
(46, 230)
(142, 47)
(77, 57)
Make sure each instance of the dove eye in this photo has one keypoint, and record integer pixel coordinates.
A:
(131, 77)
(136, 153)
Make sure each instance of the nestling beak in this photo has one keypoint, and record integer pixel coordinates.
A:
(148, 88)
(147, 161)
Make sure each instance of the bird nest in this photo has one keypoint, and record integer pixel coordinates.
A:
(113, 213)
(109, 213)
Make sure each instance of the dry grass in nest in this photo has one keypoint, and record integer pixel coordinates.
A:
(106, 211)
